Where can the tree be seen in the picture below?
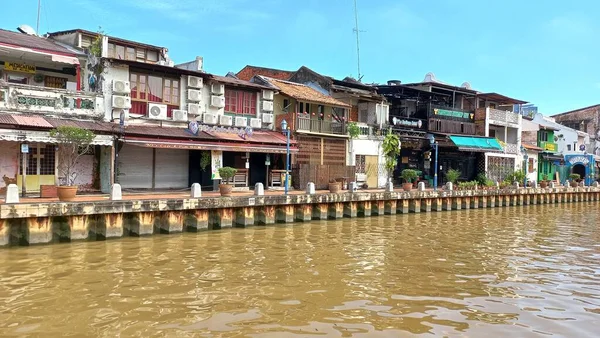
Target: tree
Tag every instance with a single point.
(73, 142)
(391, 151)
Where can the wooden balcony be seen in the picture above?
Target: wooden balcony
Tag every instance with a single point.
(320, 126)
(36, 99)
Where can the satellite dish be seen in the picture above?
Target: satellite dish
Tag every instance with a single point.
(25, 29)
(466, 85)
(430, 77)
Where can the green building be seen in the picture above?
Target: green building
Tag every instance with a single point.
(549, 158)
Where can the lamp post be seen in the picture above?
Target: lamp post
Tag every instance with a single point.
(286, 131)
(435, 145)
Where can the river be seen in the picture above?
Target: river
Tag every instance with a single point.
(519, 272)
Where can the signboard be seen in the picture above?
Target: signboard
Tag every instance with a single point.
(582, 147)
(193, 128)
(579, 159)
(452, 113)
(216, 158)
(24, 148)
(407, 122)
(19, 67)
(550, 146)
(268, 160)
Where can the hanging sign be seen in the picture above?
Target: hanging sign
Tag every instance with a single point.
(19, 67)
(24, 148)
(216, 158)
(268, 160)
(193, 128)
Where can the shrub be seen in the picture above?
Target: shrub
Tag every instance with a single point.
(409, 175)
(227, 173)
(574, 177)
(452, 175)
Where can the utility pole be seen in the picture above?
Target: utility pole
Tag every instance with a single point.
(357, 39)
(37, 26)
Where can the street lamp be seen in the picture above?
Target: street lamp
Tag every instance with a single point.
(435, 145)
(286, 132)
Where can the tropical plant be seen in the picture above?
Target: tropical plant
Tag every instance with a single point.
(73, 142)
(409, 175)
(227, 173)
(575, 177)
(481, 178)
(452, 175)
(391, 151)
(353, 130)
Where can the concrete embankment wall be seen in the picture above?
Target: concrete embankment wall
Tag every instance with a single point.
(37, 223)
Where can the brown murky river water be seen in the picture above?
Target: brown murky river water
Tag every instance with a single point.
(518, 272)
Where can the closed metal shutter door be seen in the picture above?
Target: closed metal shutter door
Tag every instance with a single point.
(172, 168)
(135, 167)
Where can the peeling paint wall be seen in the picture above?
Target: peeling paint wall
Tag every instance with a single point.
(9, 163)
(85, 172)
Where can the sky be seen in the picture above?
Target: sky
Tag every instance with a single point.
(544, 52)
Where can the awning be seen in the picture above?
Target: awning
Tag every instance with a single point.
(196, 145)
(552, 157)
(476, 144)
(44, 137)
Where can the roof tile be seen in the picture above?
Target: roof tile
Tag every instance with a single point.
(31, 41)
(305, 93)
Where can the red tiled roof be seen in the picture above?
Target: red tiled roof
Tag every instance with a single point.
(305, 93)
(531, 147)
(31, 41)
(249, 72)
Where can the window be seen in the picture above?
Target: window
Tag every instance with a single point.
(492, 133)
(307, 108)
(531, 165)
(568, 147)
(240, 102)
(154, 88)
(361, 164)
(15, 78)
(131, 53)
(286, 104)
(543, 136)
(301, 107)
(40, 160)
(55, 82)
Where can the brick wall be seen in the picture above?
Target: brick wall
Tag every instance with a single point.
(529, 137)
(590, 116)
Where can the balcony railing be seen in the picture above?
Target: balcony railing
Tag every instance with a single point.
(368, 131)
(320, 126)
(34, 99)
(548, 146)
(511, 148)
(502, 116)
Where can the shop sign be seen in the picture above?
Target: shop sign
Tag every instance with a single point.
(24, 148)
(19, 67)
(407, 123)
(452, 113)
(579, 159)
(216, 158)
(550, 146)
(193, 128)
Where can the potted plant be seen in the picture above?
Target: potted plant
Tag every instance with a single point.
(73, 142)
(543, 181)
(334, 186)
(409, 175)
(226, 173)
(452, 175)
(574, 179)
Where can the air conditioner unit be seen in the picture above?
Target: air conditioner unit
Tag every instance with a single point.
(194, 109)
(225, 120)
(157, 111)
(121, 87)
(180, 115)
(267, 118)
(255, 123)
(194, 95)
(267, 105)
(195, 82)
(122, 102)
(267, 95)
(241, 121)
(217, 88)
(217, 101)
(209, 118)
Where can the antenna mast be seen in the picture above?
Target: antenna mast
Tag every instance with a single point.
(357, 41)
(37, 26)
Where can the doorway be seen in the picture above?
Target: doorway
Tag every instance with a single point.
(580, 170)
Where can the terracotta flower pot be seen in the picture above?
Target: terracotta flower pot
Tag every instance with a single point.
(574, 184)
(66, 193)
(334, 188)
(407, 186)
(543, 184)
(225, 189)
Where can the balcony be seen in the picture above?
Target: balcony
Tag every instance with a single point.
(510, 148)
(320, 126)
(502, 117)
(548, 146)
(368, 131)
(35, 99)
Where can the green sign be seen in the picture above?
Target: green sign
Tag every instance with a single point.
(452, 113)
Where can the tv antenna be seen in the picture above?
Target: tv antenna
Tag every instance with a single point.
(37, 25)
(357, 31)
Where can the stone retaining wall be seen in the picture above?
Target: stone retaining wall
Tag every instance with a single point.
(25, 224)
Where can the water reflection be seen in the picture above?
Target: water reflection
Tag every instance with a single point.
(521, 271)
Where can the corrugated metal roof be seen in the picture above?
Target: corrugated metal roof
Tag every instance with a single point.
(237, 82)
(305, 93)
(155, 131)
(271, 137)
(96, 126)
(31, 41)
(31, 121)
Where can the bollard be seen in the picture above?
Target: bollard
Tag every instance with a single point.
(353, 187)
(389, 186)
(310, 188)
(12, 194)
(421, 186)
(516, 185)
(449, 186)
(596, 184)
(552, 185)
(115, 192)
(196, 191)
(259, 189)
